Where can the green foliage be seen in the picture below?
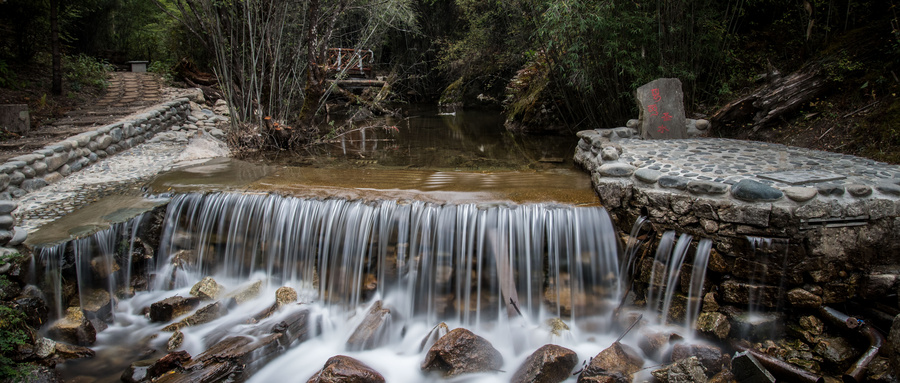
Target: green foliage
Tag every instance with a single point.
(13, 333)
(82, 70)
(163, 68)
(7, 77)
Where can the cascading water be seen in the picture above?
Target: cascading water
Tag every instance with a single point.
(499, 270)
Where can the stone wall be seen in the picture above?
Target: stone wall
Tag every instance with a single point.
(33, 171)
(831, 242)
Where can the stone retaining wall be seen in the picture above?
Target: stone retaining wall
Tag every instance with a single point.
(832, 242)
(30, 172)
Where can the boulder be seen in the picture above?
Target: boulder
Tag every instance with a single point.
(685, 370)
(285, 296)
(35, 310)
(175, 341)
(344, 369)
(615, 362)
(714, 323)
(171, 308)
(205, 314)
(137, 371)
(168, 363)
(460, 352)
(436, 333)
(207, 289)
(246, 293)
(74, 328)
(746, 368)
(372, 331)
(97, 304)
(548, 364)
(711, 357)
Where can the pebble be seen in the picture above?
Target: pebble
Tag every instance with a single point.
(753, 191)
(800, 194)
(616, 169)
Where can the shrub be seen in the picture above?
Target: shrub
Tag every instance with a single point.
(12, 335)
(83, 70)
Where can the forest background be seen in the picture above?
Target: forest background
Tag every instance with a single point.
(550, 66)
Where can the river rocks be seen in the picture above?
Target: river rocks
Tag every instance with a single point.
(207, 289)
(799, 297)
(74, 328)
(747, 369)
(835, 350)
(372, 332)
(205, 314)
(97, 304)
(754, 191)
(548, 364)
(684, 370)
(656, 343)
(707, 187)
(344, 369)
(137, 371)
(170, 308)
(617, 362)
(175, 341)
(710, 357)
(714, 323)
(246, 293)
(436, 333)
(460, 352)
(285, 296)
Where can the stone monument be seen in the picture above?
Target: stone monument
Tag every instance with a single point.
(661, 102)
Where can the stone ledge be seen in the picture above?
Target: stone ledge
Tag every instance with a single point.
(30, 172)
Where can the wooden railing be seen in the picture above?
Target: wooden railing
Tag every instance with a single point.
(352, 62)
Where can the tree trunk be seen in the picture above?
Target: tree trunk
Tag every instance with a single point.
(56, 83)
(315, 75)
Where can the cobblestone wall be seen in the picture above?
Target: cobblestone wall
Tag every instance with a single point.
(30, 172)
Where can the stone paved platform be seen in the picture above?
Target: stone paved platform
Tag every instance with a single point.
(830, 204)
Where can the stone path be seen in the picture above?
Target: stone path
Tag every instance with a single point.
(122, 173)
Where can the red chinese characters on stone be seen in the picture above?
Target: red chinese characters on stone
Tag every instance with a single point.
(666, 116)
(652, 110)
(655, 93)
(662, 129)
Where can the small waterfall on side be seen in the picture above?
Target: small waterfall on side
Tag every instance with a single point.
(89, 266)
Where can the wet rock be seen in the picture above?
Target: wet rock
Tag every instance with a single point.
(170, 308)
(74, 328)
(714, 323)
(834, 350)
(175, 341)
(711, 357)
(207, 289)
(436, 333)
(548, 364)
(799, 297)
(724, 376)
(169, 362)
(655, 343)
(97, 304)
(104, 266)
(709, 303)
(205, 314)
(614, 362)
(747, 369)
(35, 310)
(372, 331)
(460, 352)
(44, 347)
(41, 374)
(753, 191)
(879, 371)
(137, 371)
(285, 296)
(246, 293)
(344, 369)
(684, 370)
(740, 292)
(757, 326)
(557, 327)
(69, 352)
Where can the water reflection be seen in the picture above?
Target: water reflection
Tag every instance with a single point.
(426, 138)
